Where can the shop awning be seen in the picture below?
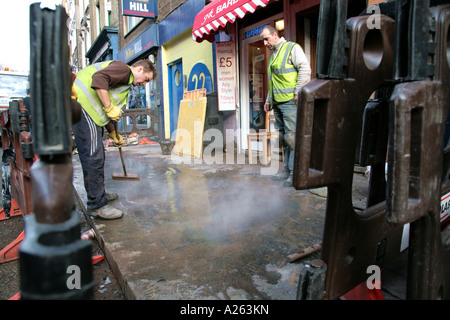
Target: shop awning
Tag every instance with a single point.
(218, 13)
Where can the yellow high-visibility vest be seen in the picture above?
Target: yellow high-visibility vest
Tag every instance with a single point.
(282, 75)
(88, 97)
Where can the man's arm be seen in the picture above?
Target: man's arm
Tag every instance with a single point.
(104, 97)
(300, 62)
(117, 73)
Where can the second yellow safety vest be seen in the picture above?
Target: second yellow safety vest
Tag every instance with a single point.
(282, 75)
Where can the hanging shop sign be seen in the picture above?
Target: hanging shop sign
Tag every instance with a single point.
(140, 8)
(226, 75)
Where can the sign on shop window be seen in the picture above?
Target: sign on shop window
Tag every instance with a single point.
(139, 8)
(199, 78)
(226, 75)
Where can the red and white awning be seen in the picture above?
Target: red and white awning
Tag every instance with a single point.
(218, 13)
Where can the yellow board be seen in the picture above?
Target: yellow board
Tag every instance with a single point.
(190, 53)
(191, 123)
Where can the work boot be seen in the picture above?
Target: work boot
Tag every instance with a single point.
(289, 180)
(106, 212)
(283, 175)
(111, 196)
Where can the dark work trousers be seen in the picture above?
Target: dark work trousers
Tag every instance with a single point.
(285, 121)
(88, 137)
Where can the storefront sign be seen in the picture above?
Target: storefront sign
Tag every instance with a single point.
(199, 78)
(147, 40)
(254, 32)
(226, 75)
(139, 8)
(218, 13)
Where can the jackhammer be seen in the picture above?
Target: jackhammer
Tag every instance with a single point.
(54, 262)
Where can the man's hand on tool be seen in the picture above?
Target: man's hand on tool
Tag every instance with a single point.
(113, 112)
(118, 139)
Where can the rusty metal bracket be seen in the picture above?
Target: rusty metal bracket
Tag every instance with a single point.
(419, 112)
(329, 118)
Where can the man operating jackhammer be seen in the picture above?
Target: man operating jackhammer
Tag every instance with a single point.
(102, 90)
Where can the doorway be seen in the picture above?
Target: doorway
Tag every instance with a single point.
(175, 72)
(253, 78)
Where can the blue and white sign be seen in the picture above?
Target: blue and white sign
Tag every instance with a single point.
(199, 78)
(140, 8)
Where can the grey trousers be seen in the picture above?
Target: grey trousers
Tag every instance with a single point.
(286, 121)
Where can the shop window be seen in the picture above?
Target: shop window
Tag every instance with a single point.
(141, 97)
(97, 18)
(136, 98)
(108, 13)
(131, 23)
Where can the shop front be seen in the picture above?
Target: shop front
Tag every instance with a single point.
(254, 59)
(185, 65)
(240, 22)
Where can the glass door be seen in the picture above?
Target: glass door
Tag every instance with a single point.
(257, 83)
(253, 79)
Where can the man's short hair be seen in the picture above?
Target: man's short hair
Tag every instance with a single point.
(148, 66)
(271, 29)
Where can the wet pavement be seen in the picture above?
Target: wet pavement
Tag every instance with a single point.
(205, 231)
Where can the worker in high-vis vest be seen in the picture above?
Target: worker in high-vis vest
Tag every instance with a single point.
(288, 72)
(102, 91)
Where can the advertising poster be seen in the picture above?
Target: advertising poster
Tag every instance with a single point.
(226, 75)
